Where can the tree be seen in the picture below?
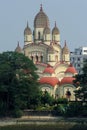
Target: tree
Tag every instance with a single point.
(46, 98)
(81, 83)
(18, 81)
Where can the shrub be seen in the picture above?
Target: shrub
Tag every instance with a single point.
(60, 109)
(17, 113)
(73, 109)
(61, 101)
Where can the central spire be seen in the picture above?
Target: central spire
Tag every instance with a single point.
(41, 8)
(27, 24)
(55, 24)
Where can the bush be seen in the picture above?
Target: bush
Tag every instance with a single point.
(84, 113)
(3, 109)
(73, 109)
(46, 107)
(17, 113)
(61, 101)
(60, 109)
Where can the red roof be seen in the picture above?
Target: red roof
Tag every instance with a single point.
(49, 80)
(71, 69)
(67, 80)
(49, 70)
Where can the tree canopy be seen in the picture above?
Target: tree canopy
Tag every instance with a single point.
(81, 83)
(18, 81)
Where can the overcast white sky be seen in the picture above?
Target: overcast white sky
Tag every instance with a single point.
(70, 16)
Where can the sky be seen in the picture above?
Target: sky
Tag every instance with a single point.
(70, 17)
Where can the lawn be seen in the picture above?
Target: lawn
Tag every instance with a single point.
(59, 126)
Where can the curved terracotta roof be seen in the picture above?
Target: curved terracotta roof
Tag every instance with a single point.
(49, 80)
(71, 69)
(67, 80)
(49, 70)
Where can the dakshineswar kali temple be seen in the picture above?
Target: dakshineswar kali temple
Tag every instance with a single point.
(43, 47)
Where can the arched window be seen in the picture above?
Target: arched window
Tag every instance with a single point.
(63, 57)
(33, 35)
(56, 58)
(26, 38)
(41, 58)
(45, 37)
(32, 58)
(49, 58)
(68, 94)
(54, 38)
(38, 35)
(36, 58)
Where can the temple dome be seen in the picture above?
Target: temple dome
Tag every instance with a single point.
(27, 30)
(47, 30)
(55, 30)
(18, 49)
(65, 49)
(41, 20)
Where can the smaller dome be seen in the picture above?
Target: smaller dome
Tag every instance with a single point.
(49, 69)
(67, 80)
(47, 30)
(71, 69)
(65, 49)
(49, 80)
(27, 30)
(55, 30)
(18, 48)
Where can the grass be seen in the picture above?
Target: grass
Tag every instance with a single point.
(59, 126)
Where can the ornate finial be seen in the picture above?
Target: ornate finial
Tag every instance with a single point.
(41, 9)
(65, 42)
(18, 43)
(27, 24)
(55, 23)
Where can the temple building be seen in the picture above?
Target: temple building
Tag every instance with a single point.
(43, 47)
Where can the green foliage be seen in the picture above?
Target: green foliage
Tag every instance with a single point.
(61, 101)
(60, 109)
(73, 109)
(81, 83)
(60, 106)
(47, 98)
(18, 81)
(3, 109)
(44, 108)
(17, 113)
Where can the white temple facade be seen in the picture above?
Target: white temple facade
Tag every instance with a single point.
(43, 47)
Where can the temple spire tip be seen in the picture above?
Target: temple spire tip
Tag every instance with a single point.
(41, 8)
